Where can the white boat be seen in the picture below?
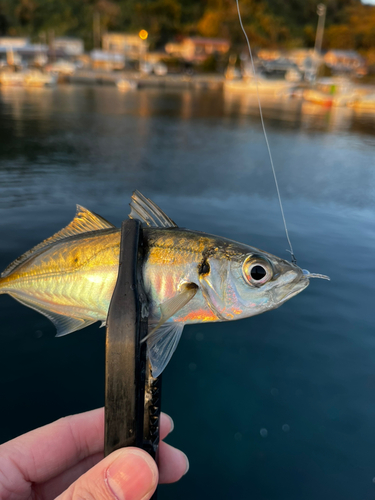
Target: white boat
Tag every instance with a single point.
(125, 85)
(265, 85)
(318, 97)
(26, 78)
(62, 67)
(365, 103)
(332, 92)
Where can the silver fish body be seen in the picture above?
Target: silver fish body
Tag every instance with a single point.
(175, 256)
(188, 276)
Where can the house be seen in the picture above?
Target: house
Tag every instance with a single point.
(267, 54)
(69, 46)
(345, 61)
(14, 42)
(109, 61)
(129, 45)
(197, 49)
(305, 59)
(16, 50)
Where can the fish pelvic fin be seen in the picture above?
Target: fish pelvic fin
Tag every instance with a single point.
(83, 222)
(161, 344)
(146, 211)
(64, 324)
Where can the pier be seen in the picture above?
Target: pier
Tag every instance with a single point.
(177, 81)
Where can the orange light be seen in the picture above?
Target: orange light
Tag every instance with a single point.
(143, 34)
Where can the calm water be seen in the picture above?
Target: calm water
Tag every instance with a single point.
(277, 407)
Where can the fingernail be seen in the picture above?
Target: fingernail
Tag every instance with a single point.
(187, 463)
(132, 476)
(172, 423)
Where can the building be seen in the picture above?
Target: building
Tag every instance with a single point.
(345, 61)
(69, 46)
(307, 60)
(14, 42)
(268, 54)
(18, 50)
(197, 49)
(109, 61)
(131, 46)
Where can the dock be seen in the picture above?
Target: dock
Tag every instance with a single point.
(173, 81)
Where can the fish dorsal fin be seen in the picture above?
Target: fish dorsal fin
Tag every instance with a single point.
(147, 212)
(162, 344)
(83, 222)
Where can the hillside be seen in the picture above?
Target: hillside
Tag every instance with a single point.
(269, 23)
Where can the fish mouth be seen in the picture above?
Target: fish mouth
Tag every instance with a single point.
(300, 285)
(300, 282)
(292, 283)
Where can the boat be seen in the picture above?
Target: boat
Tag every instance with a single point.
(317, 97)
(332, 92)
(125, 85)
(27, 78)
(364, 103)
(62, 67)
(263, 85)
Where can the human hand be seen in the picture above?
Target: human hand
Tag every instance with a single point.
(66, 458)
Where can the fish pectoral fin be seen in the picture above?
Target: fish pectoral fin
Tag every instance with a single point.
(164, 337)
(148, 212)
(161, 345)
(171, 306)
(63, 324)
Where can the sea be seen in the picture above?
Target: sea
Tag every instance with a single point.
(280, 406)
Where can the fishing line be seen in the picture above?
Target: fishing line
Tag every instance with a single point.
(294, 260)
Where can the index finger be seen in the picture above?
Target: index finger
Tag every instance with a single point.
(48, 451)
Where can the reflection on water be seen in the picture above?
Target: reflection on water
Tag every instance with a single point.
(304, 373)
(301, 114)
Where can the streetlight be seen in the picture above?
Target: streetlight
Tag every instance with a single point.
(143, 35)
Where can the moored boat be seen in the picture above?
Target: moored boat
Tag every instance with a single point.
(264, 85)
(364, 103)
(332, 92)
(125, 85)
(27, 78)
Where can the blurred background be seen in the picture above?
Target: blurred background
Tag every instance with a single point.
(100, 98)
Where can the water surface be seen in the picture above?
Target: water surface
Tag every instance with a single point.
(276, 407)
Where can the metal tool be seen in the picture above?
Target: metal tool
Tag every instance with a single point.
(132, 395)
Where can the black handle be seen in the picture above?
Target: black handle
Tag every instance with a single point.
(132, 395)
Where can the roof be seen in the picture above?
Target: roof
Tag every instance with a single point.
(68, 39)
(15, 41)
(210, 41)
(345, 53)
(124, 35)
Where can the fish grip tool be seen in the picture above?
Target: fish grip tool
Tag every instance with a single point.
(132, 395)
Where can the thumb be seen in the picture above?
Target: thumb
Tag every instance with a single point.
(129, 473)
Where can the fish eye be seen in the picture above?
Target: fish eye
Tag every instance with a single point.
(257, 270)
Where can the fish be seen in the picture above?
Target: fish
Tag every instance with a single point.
(188, 277)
